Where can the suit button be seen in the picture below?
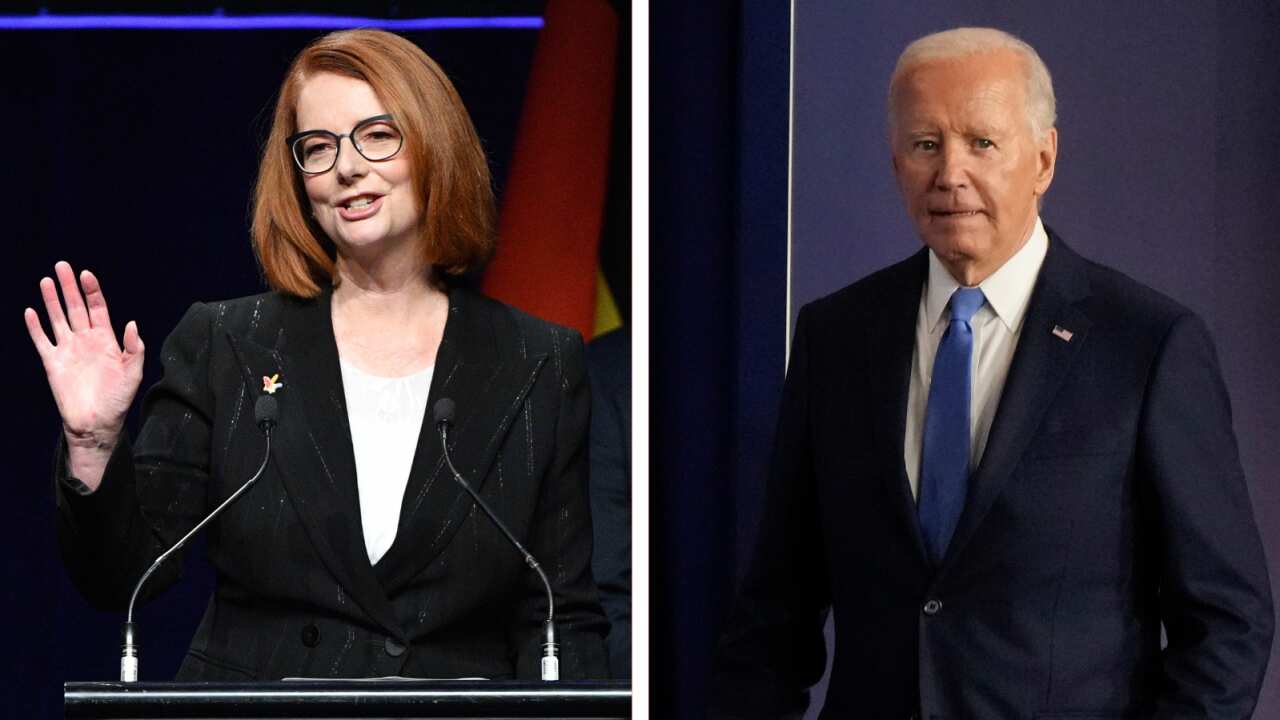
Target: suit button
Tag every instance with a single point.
(932, 607)
(310, 635)
(393, 647)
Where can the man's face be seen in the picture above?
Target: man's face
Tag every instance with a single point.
(967, 163)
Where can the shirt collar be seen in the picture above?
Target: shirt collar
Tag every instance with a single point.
(1008, 289)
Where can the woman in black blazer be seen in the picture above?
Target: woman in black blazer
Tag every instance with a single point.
(373, 195)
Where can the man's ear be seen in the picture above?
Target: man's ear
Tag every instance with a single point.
(1046, 159)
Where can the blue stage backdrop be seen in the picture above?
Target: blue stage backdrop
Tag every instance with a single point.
(1165, 171)
(133, 153)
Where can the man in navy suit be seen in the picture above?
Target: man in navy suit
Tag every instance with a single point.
(1003, 467)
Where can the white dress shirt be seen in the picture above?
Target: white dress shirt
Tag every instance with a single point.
(996, 328)
(386, 418)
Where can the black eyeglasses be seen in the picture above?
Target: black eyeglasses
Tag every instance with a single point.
(316, 151)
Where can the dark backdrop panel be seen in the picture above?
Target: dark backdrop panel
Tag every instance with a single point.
(1166, 169)
(134, 154)
(718, 168)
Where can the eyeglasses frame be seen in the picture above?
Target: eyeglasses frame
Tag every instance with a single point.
(337, 143)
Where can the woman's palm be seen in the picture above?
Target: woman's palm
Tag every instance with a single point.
(92, 377)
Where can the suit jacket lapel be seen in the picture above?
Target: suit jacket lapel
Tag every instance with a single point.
(1041, 362)
(488, 379)
(890, 364)
(311, 448)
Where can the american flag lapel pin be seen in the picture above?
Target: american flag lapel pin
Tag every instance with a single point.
(1062, 333)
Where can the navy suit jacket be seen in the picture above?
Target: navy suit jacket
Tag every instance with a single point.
(1109, 500)
(296, 594)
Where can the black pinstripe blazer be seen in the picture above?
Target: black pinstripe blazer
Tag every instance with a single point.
(296, 594)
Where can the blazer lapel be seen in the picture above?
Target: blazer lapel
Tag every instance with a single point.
(1041, 362)
(488, 384)
(890, 364)
(311, 448)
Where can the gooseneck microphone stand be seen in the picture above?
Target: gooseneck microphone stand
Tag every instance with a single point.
(265, 411)
(443, 412)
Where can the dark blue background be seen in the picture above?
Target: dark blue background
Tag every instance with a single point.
(717, 295)
(134, 154)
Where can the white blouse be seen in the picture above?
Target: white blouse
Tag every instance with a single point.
(386, 417)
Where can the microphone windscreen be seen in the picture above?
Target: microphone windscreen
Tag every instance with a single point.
(443, 411)
(266, 411)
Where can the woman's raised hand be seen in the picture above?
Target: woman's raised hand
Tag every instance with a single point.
(92, 377)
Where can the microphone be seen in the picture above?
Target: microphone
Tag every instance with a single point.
(266, 412)
(443, 412)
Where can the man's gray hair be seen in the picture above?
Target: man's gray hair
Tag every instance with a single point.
(1042, 109)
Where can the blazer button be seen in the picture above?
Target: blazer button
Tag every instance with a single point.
(932, 607)
(310, 635)
(393, 647)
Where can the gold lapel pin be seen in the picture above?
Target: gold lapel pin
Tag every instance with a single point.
(271, 384)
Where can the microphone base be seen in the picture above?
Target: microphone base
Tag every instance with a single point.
(129, 653)
(550, 669)
(129, 669)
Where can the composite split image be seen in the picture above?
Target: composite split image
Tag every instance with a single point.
(595, 359)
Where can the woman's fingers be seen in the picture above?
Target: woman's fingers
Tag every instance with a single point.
(53, 307)
(132, 341)
(38, 338)
(95, 300)
(83, 312)
(77, 316)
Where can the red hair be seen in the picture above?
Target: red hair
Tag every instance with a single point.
(448, 167)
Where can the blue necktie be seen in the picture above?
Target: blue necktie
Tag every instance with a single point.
(944, 463)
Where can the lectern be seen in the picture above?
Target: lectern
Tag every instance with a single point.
(351, 699)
